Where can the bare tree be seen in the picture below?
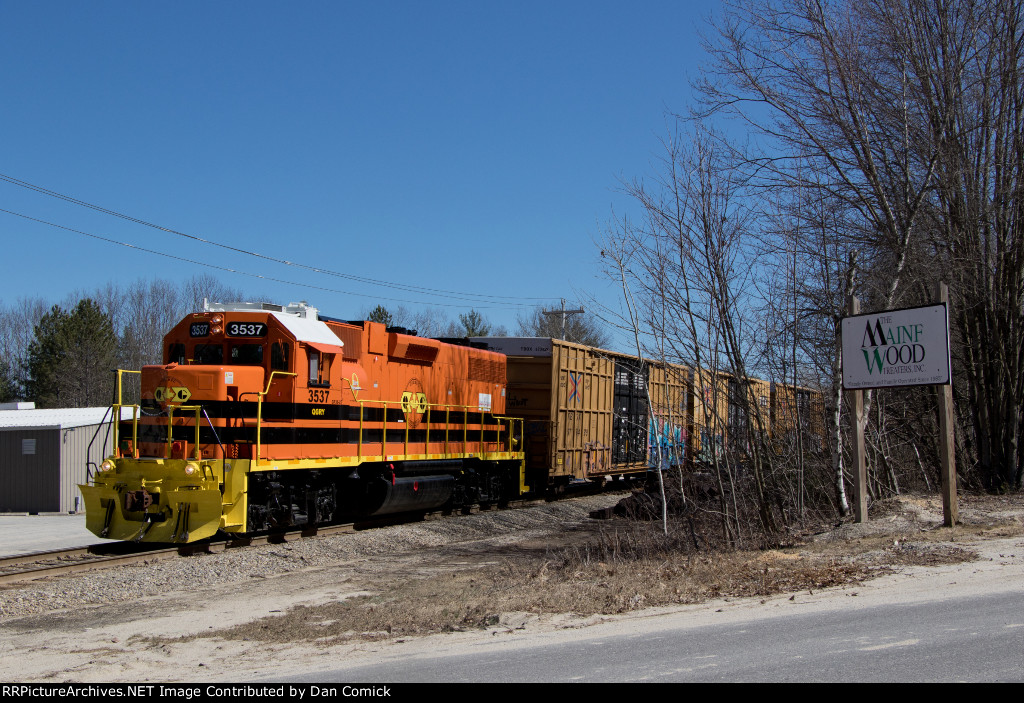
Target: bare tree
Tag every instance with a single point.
(582, 329)
(429, 322)
(17, 325)
(827, 105)
(207, 287)
(907, 116)
(149, 310)
(694, 276)
(139, 316)
(969, 62)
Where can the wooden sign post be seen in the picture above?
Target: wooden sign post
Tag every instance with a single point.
(860, 465)
(947, 455)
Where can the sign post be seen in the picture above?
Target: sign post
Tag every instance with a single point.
(894, 348)
(860, 466)
(947, 456)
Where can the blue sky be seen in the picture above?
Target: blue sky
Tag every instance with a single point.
(466, 146)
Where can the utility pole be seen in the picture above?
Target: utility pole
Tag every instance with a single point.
(563, 312)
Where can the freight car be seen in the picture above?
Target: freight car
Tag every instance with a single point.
(593, 414)
(265, 416)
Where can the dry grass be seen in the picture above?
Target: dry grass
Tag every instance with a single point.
(620, 566)
(467, 599)
(624, 569)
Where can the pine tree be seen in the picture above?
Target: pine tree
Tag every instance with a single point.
(474, 324)
(381, 314)
(71, 359)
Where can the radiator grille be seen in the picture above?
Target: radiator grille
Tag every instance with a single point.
(487, 370)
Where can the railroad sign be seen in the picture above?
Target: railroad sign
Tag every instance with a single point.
(908, 347)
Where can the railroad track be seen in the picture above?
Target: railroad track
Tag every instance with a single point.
(63, 562)
(58, 562)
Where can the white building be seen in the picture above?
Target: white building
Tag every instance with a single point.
(45, 454)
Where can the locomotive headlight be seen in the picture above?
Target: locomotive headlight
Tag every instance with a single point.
(216, 330)
(191, 469)
(216, 319)
(107, 465)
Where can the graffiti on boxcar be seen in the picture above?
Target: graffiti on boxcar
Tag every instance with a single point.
(596, 457)
(515, 402)
(710, 446)
(575, 391)
(666, 443)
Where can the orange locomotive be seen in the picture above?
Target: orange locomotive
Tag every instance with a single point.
(267, 415)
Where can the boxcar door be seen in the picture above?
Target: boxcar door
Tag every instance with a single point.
(629, 420)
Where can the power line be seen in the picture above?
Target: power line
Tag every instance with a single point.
(512, 306)
(438, 292)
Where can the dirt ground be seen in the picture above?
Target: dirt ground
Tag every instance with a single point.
(448, 583)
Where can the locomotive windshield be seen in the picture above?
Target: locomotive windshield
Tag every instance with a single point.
(209, 354)
(247, 354)
(176, 354)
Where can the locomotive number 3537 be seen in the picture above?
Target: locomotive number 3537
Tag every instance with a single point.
(246, 329)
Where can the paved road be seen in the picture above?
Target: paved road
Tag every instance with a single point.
(23, 534)
(914, 636)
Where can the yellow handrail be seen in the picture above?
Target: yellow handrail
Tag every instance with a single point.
(170, 427)
(512, 423)
(508, 444)
(117, 418)
(259, 410)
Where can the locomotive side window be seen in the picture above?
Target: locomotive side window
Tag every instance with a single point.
(279, 356)
(247, 354)
(209, 354)
(176, 354)
(319, 368)
(314, 366)
(325, 369)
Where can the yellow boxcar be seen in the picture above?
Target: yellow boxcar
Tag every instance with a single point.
(709, 410)
(591, 413)
(671, 418)
(796, 408)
